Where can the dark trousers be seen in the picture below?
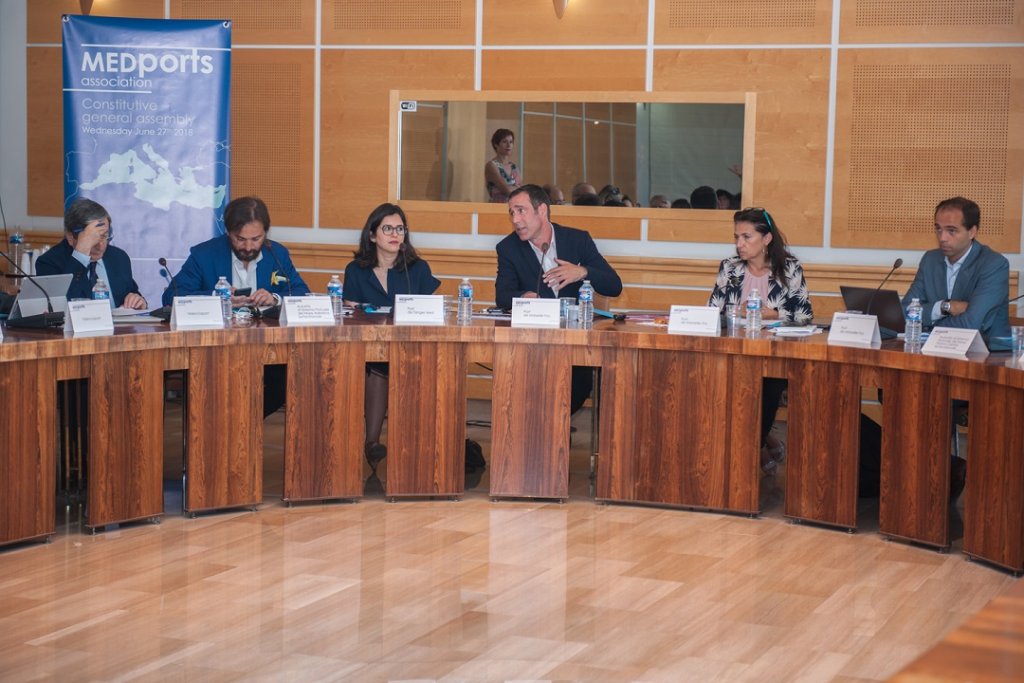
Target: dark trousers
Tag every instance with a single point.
(582, 385)
(275, 385)
(771, 396)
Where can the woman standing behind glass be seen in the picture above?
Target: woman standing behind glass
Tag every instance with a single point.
(501, 173)
(763, 262)
(385, 264)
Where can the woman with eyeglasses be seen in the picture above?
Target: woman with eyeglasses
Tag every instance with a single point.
(385, 264)
(763, 262)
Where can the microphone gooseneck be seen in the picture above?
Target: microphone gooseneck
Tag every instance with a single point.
(171, 282)
(895, 266)
(543, 252)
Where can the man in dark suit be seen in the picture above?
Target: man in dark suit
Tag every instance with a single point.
(245, 256)
(569, 255)
(963, 283)
(87, 253)
(249, 260)
(566, 256)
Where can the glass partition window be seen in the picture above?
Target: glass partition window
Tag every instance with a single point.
(639, 149)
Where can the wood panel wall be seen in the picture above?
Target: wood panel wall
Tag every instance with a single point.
(916, 119)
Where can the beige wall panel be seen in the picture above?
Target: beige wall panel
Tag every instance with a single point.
(538, 142)
(569, 154)
(437, 221)
(931, 21)
(398, 22)
(600, 227)
(355, 87)
(562, 70)
(45, 141)
(915, 126)
(422, 140)
(281, 22)
(272, 131)
(585, 22)
(791, 128)
(734, 22)
(624, 152)
(43, 20)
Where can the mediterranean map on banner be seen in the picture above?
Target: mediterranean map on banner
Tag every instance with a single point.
(146, 132)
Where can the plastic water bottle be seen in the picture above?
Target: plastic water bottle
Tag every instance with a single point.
(465, 313)
(754, 313)
(586, 303)
(100, 291)
(14, 246)
(912, 333)
(223, 290)
(334, 290)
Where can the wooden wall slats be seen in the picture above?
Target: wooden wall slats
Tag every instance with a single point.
(46, 136)
(272, 131)
(732, 22)
(354, 91)
(792, 125)
(916, 126)
(428, 22)
(585, 22)
(282, 22)
(43, 16)
(563, 70)
(931, 21)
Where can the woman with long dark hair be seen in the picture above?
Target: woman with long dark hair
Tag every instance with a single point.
(385, 264)
(763, 262)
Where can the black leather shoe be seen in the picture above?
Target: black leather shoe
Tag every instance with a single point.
(957, 478)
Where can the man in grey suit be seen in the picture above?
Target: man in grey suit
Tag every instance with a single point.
(963, 283)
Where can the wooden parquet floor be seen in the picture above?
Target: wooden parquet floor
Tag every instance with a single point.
(478, 591)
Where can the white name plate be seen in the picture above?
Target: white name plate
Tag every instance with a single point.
(196, 313)
(88, 317)
(1, 333)
(953, 342)
(419, 309)
(696, 320)
(854, 329)
(536, 312)
(306, 310)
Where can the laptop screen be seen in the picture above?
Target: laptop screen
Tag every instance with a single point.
(885, 305)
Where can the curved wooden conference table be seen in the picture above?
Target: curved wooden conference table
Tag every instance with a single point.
(679, 421)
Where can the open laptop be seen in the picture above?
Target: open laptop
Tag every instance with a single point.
(30, 308)
(886, 306)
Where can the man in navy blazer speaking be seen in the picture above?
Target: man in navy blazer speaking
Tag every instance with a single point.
(86, 253)
(245, 256)
(963, 283)
(547, 260)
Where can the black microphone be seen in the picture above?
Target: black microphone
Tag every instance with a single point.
(164, 312)
(167, 275)
(405, 266)
(540, 274)
(41, 320)
(280, 269)
(871, 300)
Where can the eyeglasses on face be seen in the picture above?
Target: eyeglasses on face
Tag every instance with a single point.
(393, 229)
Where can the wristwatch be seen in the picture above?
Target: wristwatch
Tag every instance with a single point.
(945, 307)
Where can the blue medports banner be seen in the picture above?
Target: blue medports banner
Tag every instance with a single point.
(146, 132)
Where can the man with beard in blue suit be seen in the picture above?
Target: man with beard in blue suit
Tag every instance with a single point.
(249, 260)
